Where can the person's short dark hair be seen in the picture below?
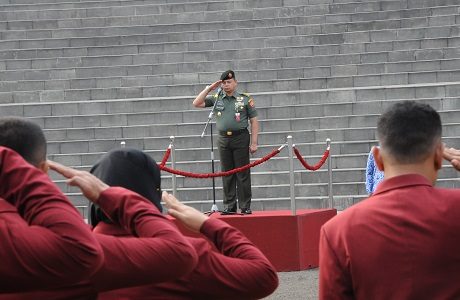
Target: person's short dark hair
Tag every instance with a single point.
(229, 74)
(409, 131)
(131, 169)
(25, 137)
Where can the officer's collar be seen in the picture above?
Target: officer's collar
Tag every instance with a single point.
(235, 95)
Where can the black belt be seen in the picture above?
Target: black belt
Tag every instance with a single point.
(232, 133)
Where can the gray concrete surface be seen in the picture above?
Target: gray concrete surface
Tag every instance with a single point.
(297, 285)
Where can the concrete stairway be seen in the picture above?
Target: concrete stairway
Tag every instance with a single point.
(94, 73)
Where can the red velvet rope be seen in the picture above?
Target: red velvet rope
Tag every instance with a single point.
(306, 165)
(218, 174)
(165, 157)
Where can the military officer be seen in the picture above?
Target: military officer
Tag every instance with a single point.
(233, 112)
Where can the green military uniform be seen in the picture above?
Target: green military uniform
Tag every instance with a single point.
(232, 114)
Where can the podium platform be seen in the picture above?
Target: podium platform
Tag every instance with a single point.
(289, 242)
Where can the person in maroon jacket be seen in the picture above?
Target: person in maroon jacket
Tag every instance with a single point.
(159, 253)
(229, 265)
(402, 242)
(44, 241)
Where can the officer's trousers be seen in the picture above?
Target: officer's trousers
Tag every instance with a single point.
(234, 153)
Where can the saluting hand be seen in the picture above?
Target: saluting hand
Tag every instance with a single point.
(190, 217)
(90, 185)
(215, 85)
(452, 155)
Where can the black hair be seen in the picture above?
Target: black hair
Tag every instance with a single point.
(25, 137)
(131, 169)
(409, 131)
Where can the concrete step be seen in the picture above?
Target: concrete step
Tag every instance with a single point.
(254, 38)
(240, 39)
(127, 41)
(335, 8)
(373, 74)
(140, 125)
(275, 164)
(197, 71)
(353, 153)
(164, 7)
(182, 32)
(93, 123)
(293, 104)
(279, 97)
(426, 48)
(132, 8)
(347, 140)
(312, 149)
(328, 23)
(202, 10)
(324, 83)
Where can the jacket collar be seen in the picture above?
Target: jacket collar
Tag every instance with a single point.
(235, 95)
(402, 181)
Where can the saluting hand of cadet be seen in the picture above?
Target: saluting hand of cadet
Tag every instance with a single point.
(90, 185)
(190, 217)
(452, 155)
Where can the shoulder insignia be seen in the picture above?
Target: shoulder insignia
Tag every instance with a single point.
(216, 95)
(246, 94)
(251, 102)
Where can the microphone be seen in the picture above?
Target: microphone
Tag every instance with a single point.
(211, 113)
(219, 90)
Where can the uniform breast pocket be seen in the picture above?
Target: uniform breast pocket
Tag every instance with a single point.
(239, 107)
(220, 105)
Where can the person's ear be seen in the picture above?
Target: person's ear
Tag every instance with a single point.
(378, 158)
(438, 156)
(44, 166)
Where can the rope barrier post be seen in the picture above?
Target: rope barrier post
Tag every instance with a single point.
(173, 165)
(291, 174)
(330, 203)
(122, 144)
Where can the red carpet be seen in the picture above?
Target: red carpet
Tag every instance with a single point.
(290, 242)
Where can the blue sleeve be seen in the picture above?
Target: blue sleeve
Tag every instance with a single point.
(370, 169)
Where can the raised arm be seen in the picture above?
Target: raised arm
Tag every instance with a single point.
(49, 245)
(160, 253)
(199, 101)
(239, 269)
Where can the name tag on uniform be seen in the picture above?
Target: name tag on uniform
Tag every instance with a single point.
(220, 105)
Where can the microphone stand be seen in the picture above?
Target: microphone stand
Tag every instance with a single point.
(214, 207)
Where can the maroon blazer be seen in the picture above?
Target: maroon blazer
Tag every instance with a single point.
(401, 243)
(155, 252)
(230, 267)
(44, 241)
